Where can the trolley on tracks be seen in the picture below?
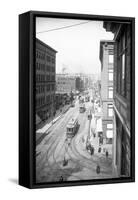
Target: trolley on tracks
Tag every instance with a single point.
(72, 127)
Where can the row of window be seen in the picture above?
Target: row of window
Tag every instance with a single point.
(110, 92)
(110, 74)
(42, 56)
(44, 100)
(111, 59)
(110, 110)
(40, 66)
(44, 67)
(50, 68)
(51, 59)
(40, 89)
(40, 101)
(42, 78)
(109, 131)
(61, 83)
(44, 88)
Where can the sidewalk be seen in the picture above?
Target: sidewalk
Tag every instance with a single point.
(107, 169)
(43, 131)
(95, 140)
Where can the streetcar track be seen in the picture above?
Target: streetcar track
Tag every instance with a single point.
(58, 138)
(59, 167)
(52, 137)
(74, 160)
(90, 162)
(56, 162)
(53, 133)
(54, 159)
(50, 152)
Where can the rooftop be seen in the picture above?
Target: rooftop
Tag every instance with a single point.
(44, 44)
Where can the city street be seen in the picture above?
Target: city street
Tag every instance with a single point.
(81, 165)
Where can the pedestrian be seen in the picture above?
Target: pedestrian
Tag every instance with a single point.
(92, 150)
(65, 162)
(98, 169)
(61, 178)
(99, 149)
(106, 154)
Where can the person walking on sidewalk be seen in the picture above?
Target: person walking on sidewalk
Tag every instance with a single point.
(61, 178)
(98, 169)
(92, 150)
(99, 150)
(106, 153)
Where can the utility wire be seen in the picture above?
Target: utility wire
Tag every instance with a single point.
(55, 29)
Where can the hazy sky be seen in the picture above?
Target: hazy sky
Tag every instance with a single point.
(77, 46)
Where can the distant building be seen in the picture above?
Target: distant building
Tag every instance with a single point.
(59, 101)
(79, 84)
(45, 80)
(122, 93)
(106, 58)
(65, 84)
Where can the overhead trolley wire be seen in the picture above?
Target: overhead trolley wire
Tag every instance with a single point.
(63, 27)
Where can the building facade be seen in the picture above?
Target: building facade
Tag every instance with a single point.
(106, 58)
(122, 93)
(65, 84)
(45, 80)
(59, 100)
(79, 84)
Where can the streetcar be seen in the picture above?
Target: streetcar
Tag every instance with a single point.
(72, 127)
(82, 108)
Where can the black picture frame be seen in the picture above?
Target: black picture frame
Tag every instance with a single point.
(27, 98)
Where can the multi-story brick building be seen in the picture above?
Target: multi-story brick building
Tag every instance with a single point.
(122, 93)
(65, 84)
(45, 80)
(106, 58)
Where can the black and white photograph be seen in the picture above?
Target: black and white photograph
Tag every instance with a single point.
(82, 99)
(68, 92)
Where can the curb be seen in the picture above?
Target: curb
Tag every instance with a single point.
(59, 117)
